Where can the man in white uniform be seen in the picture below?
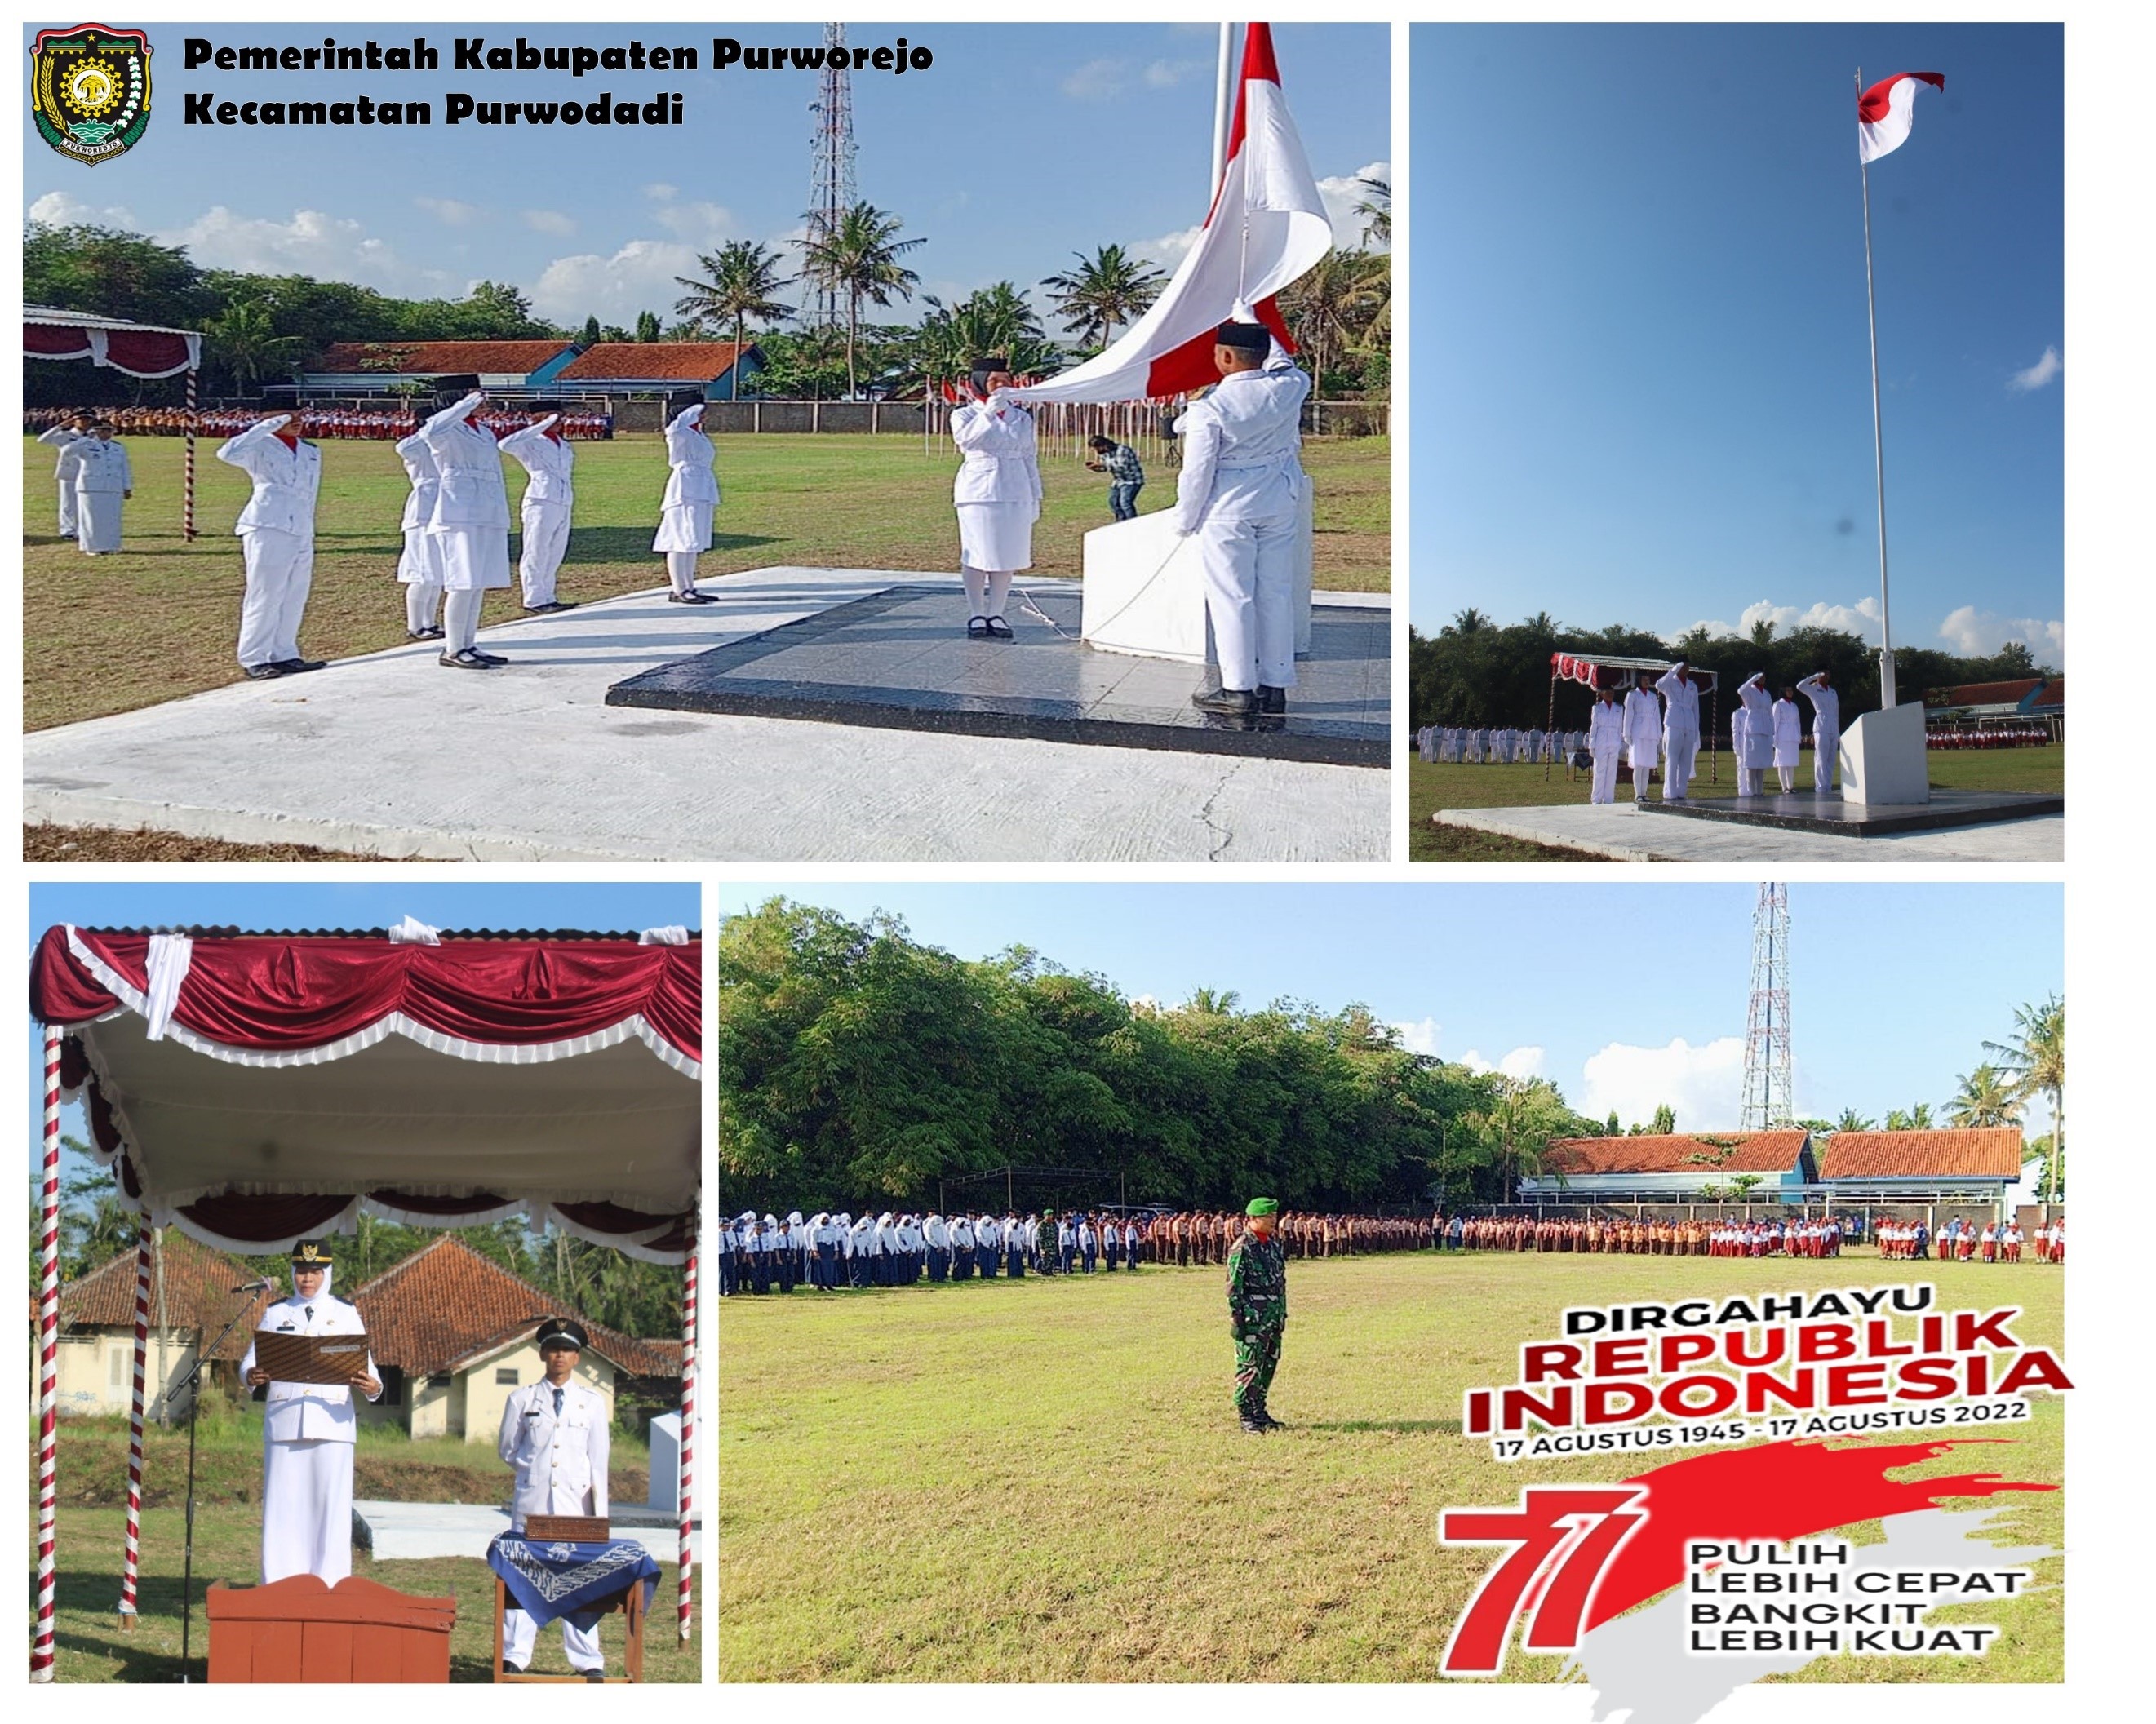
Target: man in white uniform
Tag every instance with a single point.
(1605, 742)
(997, 494)
(1826, 728)
(692, 493)
(307, 1432)
(104, 480)
(554, 1434)
(1680, 728)
(1241, 491)
(1643, 735)
(470, 525)
(1789, 739)
(58, 439)
(276, 534)
(1755, 741)
(420, 568)
(541, 450)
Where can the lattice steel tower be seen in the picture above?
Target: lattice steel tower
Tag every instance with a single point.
(831, 161)
(1769, 1089)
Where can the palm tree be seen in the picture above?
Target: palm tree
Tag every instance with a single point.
(1915, 1119)
(241, 336)
(1986, 1098)
(2035, 1058)
(1375, 207)
(1331, 307)
(1518, 1125)
(1852, 1120)
(742, 276)
(993, 319)
(858, 257)
(1107, 289)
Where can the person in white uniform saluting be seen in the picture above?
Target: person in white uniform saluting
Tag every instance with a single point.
(1755, 742)
(104, 480)
(541, 450)
(58, 437)
(1826, 728)
(1643, 735)
(692, 493)
(307, 1432)
(1239, 492)
(1680, 728)
(554, 1435)
(469, 525)
(276, 534)
(420, 568)
(1605, 742)
(997, 494)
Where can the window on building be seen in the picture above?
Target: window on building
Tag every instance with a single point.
(506, 1375)
(439, 1379)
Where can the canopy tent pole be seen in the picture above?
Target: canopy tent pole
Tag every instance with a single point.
(684, 1603)
(1714, 732)
(1551, 725)
(188, 467)
(131, 1556)
(49, 1326)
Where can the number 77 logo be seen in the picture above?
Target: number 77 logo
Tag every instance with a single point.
(1567, 1536)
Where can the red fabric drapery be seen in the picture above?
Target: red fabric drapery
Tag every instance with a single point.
(54, 341)
(138, 352)
(145, 353)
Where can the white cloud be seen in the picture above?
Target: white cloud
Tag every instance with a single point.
(312, 242)
(1166, 74)
(639, 277)
(1169, 249)
(1861, 619)
(2039, 374)
(1420, 1038)
(448, 211)
(1097, 80)
(1978, 634)
(662, 192)
(1704, 1085)
(1342, 193)
(1520, 1063)
(703, 224)
(550, 221)
(62, 211)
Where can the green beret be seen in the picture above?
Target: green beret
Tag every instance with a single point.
(1263, 1206)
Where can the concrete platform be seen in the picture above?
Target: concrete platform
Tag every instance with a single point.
(415, 1531)
(1806, 811)
(901, 661)
(392, 755)
(1616, 831)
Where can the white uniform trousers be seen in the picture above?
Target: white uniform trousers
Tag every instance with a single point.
(1605, 775)
(1826, 744)
(306, 1510)
(545, 538)
(1249, 568)
(520, 1634)
(97, 520)
(1680, 750)
(67, 508)
(281, 568)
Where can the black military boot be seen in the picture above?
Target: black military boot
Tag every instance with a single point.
(1265, 1419)
(1254, 1425)
(1235, 703)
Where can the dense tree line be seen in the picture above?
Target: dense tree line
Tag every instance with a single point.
(857, 1064)
(1473, 672)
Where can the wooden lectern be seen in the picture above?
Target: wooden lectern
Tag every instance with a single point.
(300, 1629)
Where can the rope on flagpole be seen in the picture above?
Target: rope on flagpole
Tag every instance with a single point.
(131, 1556)
(49, 1330)
(685, 1479)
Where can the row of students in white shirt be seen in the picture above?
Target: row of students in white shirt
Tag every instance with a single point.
(827, 1251)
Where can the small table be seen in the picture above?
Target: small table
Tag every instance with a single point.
(613, 1575)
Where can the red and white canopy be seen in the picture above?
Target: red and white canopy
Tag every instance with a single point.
(1588, 667)
(141, 350)
(255, 1089)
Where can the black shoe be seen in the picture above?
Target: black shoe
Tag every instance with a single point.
(293, 667)
(550, 607)
(1268, 1422)
(515, 1670)
(976, 627)
(1271, 700)
(691, 597)
(592, 1675)
(488, 657)
(999, 629)
(263, 673)
(468, 660)
(1236, 703)
(1252, 1426)
(424, 633)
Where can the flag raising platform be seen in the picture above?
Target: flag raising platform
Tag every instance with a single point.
(900, 659)
(1806, 811)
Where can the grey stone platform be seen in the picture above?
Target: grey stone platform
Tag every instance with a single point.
(1806, 811)
(416, 1530)
(901, 659)
(1618, 832)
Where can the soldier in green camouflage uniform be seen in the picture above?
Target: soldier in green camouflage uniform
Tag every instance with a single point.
(1257, 1312)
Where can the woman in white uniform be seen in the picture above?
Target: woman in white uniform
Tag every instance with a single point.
(1605, 742)
(103, 481)
(1755, 740)
(470, 525)
(692, 493)
(420, 568)
(997, 494)
(1789, 739)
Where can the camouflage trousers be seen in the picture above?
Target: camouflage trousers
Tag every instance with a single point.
(1257, 1357)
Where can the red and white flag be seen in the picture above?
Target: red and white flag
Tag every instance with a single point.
(1267, 227)
(1885, 111)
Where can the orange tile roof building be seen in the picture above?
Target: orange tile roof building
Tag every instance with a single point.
(721, 369)
(371, 367)
(1670, 1166)
(1979, 1159)
(194, 1300)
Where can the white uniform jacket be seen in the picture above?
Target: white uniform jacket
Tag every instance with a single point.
(1681, 713)
(1001, 462)
(1826, 704)
(58, 439)
(1789, 732)
(469, 460)
(560, 1461)
(311, 1412)
(101, 466)
(426, 483)
(1605, 729)
(551, 465)
(689, 455)
(286, 480)
(1241, 448)
(1643, 721)
(1755, 749)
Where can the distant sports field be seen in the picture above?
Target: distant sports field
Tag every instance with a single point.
(159, 619)
(1044, 1480)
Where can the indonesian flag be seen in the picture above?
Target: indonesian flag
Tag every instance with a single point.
(1885, 111)
(1266, 228)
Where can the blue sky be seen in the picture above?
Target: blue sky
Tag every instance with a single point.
(503, 905)
(1642, 381)
(1571, 983)
(1020, 145)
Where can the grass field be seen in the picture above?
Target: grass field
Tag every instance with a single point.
(93, 1473)
(158, 619)
(1433, 785)
(1044, 1480)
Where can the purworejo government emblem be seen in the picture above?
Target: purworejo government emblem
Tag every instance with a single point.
(89, 88)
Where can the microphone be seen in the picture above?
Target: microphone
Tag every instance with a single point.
(260, 1285)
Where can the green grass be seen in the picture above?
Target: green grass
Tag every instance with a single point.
(1432, 785)
(1044, 1480)
(158, 619)
(93, 1469)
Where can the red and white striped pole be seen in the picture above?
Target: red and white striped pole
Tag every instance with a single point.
(49, 1330)
(188, 481)
(686, 1480)
(130, 1560)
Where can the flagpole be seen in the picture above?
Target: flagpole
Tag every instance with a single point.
(1887, 695)
(1223, 87)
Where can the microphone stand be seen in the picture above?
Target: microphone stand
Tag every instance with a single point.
(192, 1381)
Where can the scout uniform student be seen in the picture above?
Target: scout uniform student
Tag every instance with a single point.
(470, 525)
(307, 1432)
(1257, 1312)
(997, 495)
(1240, 493)
(549, 495)
(554, 1437)
(692, 493)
